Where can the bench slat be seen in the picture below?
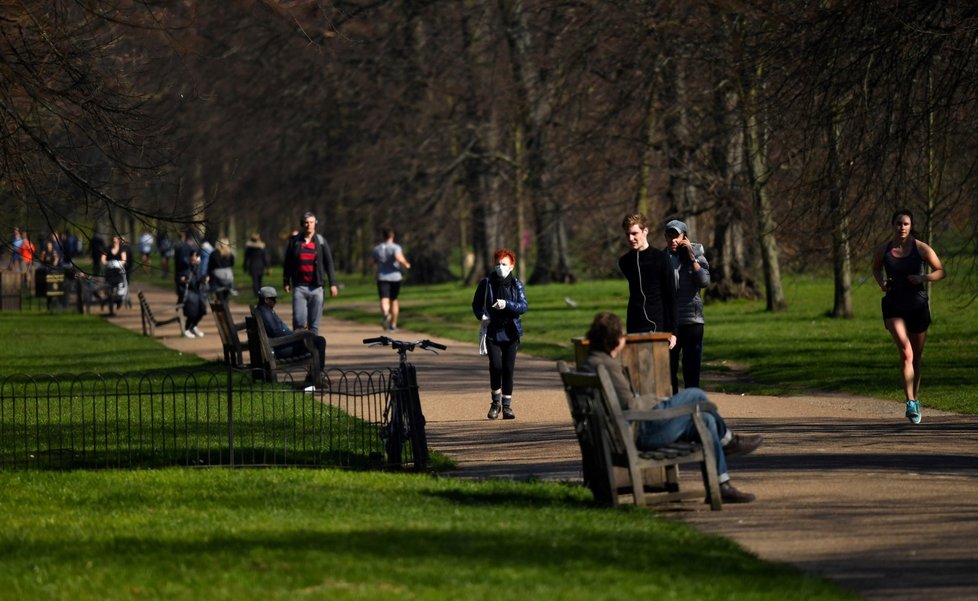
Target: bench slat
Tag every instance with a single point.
(229, 333)
(150, 321)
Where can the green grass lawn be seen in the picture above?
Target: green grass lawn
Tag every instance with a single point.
(328, 534)
(293, 534)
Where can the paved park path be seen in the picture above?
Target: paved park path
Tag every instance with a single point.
(846, 487)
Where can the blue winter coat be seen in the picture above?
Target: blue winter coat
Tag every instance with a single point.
(504, 324)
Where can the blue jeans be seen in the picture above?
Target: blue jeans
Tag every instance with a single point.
(307, 307)
(652, 435)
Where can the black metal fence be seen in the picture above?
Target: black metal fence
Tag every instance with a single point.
(192, 419)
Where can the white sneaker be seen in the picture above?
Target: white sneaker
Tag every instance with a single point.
(198, 332)
(188, 334)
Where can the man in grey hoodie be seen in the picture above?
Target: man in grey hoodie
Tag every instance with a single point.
(692, 273)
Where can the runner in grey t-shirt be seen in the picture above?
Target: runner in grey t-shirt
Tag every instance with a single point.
(389, 259)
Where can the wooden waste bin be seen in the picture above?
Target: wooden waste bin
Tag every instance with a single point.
(647, 358)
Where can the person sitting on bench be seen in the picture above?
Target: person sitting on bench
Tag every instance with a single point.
(275, 327)
(606, 340)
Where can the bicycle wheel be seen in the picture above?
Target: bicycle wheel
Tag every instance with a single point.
(416, 422)
(392, 427)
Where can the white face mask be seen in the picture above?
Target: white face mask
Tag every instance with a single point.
(503, 270)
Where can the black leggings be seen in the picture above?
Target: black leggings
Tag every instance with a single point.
(689, 342)
(502, 364)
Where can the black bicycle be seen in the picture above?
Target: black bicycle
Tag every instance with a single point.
(403, 420)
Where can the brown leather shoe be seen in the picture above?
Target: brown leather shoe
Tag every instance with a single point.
(742, 444)
(729, 494)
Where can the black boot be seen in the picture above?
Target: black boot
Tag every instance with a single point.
(493, 410)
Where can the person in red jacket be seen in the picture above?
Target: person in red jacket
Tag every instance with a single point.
(27, 252)
(308, 267)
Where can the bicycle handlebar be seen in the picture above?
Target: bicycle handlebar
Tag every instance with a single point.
(403, 344)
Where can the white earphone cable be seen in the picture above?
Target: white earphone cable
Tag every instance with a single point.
(638, 268)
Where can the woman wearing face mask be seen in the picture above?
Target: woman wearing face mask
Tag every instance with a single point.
(499, 300)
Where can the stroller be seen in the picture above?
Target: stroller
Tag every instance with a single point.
(116, 292)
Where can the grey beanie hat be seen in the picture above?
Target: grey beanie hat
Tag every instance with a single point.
(267, 292)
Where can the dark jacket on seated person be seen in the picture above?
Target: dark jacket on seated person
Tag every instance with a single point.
(276, 328)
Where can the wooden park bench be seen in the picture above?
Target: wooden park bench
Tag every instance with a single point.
(606, 435)
(174, 314)
(229, 332)
(266, 366)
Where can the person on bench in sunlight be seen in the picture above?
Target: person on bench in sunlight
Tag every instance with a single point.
(607, 339)
(275, 327)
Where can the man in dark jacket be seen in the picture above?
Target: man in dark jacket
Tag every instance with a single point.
(692, 273)
(651, 282)
(308, 265)
(275, 328)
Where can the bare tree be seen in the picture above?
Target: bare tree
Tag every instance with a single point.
(750, 75)
(78, 138)
(480, 138)
(536, 95)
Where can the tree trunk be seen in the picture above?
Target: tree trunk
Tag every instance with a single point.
(480, 179)
(199, 198)
(729, 273)
(839, 215)
(643, 192)
(430, 254)
(729, 276)
(536, 106)
(758, 173)
(682, 194)
(519, 196)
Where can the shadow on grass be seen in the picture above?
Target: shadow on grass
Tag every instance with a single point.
(619, 558)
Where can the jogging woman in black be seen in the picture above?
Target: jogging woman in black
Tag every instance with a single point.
(906, 308)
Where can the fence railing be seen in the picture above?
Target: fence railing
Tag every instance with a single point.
(191, 419)
(56, 290)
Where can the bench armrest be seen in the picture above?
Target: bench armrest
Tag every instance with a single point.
(283, 340)
(293, 337)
